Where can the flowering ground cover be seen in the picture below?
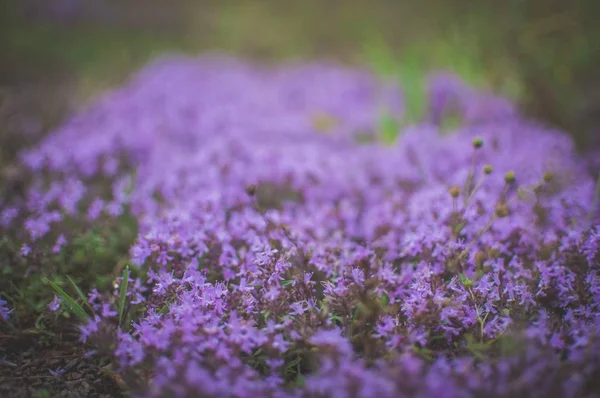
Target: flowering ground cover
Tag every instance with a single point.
(216, 228)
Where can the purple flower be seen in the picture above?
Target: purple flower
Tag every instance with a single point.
(273, 241)
(61, 241)
(25, 250)
(95, 209)
(57, 373)
(4, 310)
(129, 351)
(55, 304)
(89, 329)
(331, 339)
(7, 215)
(94, 296)
(107, 311)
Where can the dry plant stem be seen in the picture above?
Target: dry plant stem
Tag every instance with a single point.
(472, 194)
(470, 179)
(476, 238)
(478, 312)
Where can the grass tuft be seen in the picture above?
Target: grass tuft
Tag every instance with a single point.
(69, 302)
(123, 294)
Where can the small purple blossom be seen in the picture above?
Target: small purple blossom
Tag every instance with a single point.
(108, 311)
(57, 374)
(60, 242)
(7, 215)
(25, 250)
(55, 304)
(4, 309)
(89, 329)
(331, 339)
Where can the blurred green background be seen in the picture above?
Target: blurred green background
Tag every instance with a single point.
(545, 54)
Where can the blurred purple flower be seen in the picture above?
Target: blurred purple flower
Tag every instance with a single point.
(55, 304)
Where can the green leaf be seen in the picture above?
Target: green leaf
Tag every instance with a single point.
(336, 318)
(384, 300)
(293, 363)
(257, 352)
(39, 322)
(467, 282)
(458, 229)
(165, 308)
(389, 128)
(265, 314)
(477, 349)
(451, 122)
(425, 353)
(123, 293)
(69, 302)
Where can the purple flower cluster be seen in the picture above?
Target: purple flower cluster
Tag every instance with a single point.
(285, 255)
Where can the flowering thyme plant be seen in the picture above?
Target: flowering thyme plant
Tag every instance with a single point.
(282, 254)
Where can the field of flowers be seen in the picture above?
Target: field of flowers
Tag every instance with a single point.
(286, 233)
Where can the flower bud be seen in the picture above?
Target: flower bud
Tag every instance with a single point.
(548, 176)
(477, 143)
(454, 191)
(509, 177)
(502, 210)
(251, 190)
(488, 168)
(494, 253)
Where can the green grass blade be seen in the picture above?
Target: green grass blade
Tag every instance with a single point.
(69, 302)
(412, 74)
(380, 57)
(165, 308)
(123, 293)
(389, 128)
(80, 293)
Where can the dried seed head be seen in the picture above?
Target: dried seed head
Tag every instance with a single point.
(488, 169)
(477, 143)
(454, 191)
(251, 190)
(324, 122)
(509, 177)
(494, 253)
(502, 210)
